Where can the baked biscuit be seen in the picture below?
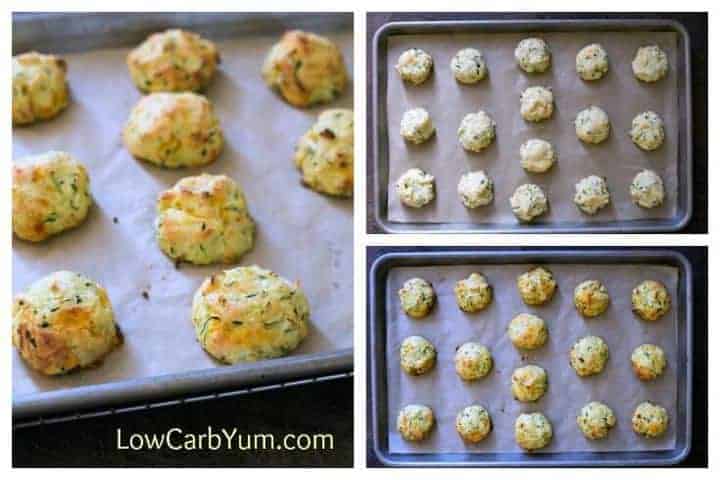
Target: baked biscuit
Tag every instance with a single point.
(529, 383)
(650, 64)
(648, 131)
(325, 155)
(647, 189)
(591, 298)
(473, 293)
(415, 422)
(39, 88)
(650, 420)
(650, 300)
(592, 125)
(203, 220)
(536, 104)
(533, 431)
(414, 65)
(417, 355)
(173, 61)
(63, 322)
(648, 361)
(589, 355)
(537, 155)
(591, 194)
(476, 131)
(50, 193)
(527, 331)
(473, 423)
(533, 55)
(528, 202)
(415, 188)
(595, 420)
(305, 69)
(473, 361)
(476, 189)
(591, 62)
(248, 314)
(536, 286)
(417, 297)
(468, 66)
(174, 130)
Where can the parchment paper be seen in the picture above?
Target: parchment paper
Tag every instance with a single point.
(301, 234)
(447, 328)
(617, 159)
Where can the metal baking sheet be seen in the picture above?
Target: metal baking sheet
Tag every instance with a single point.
(160, 357)
(447, 327)
(447, 101)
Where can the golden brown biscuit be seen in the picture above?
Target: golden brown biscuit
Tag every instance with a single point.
(174, 130)
(248, 314)
(51, 193)
(39, 88)
(305, 69)
(204, 220)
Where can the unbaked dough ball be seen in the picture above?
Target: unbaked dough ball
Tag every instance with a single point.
(248, 314)
(417, 297)
(415, 422)
(476, 189)
(650, 420)
(536, 286)
(415, 188)
(417, 355)
(589, 355)
(473, 361)
(533, 55)
(63, 322)
(203, 220)
(325, 155)
(648, 361)
(592, 125)
(174, 130)
(473, 423)
(528, 202)
(477, 131)
(648, 131)
(650, 300)
(591, 194)
(50, 194)
(305, 69)
(173, 61)
(39, 88)
(533, 431)
(537, 156)
(414, 65)
(650, 64)
(416, 126)
(595, 420)
(468, 66)
(536, 104)
(647, 189)
(591, 298)
(529, 383)
(473, 293)
(527, 331)
(591, 62)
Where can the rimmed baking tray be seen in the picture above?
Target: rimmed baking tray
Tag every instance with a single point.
(382, 424)
(674, 221)
(124, 190)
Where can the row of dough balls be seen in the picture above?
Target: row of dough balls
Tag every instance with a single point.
(65, 321)
(202, 219)
(532, 55)
(416, 188)
(473, 361)
(592, 125)
(650, 299)
(533, 431)
(304, 68)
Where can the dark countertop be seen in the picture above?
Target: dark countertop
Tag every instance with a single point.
(698, 456)
(697, 26)
(321, 407)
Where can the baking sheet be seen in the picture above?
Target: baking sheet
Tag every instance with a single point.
(300, 234)
(617, 159)
(447, 328)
